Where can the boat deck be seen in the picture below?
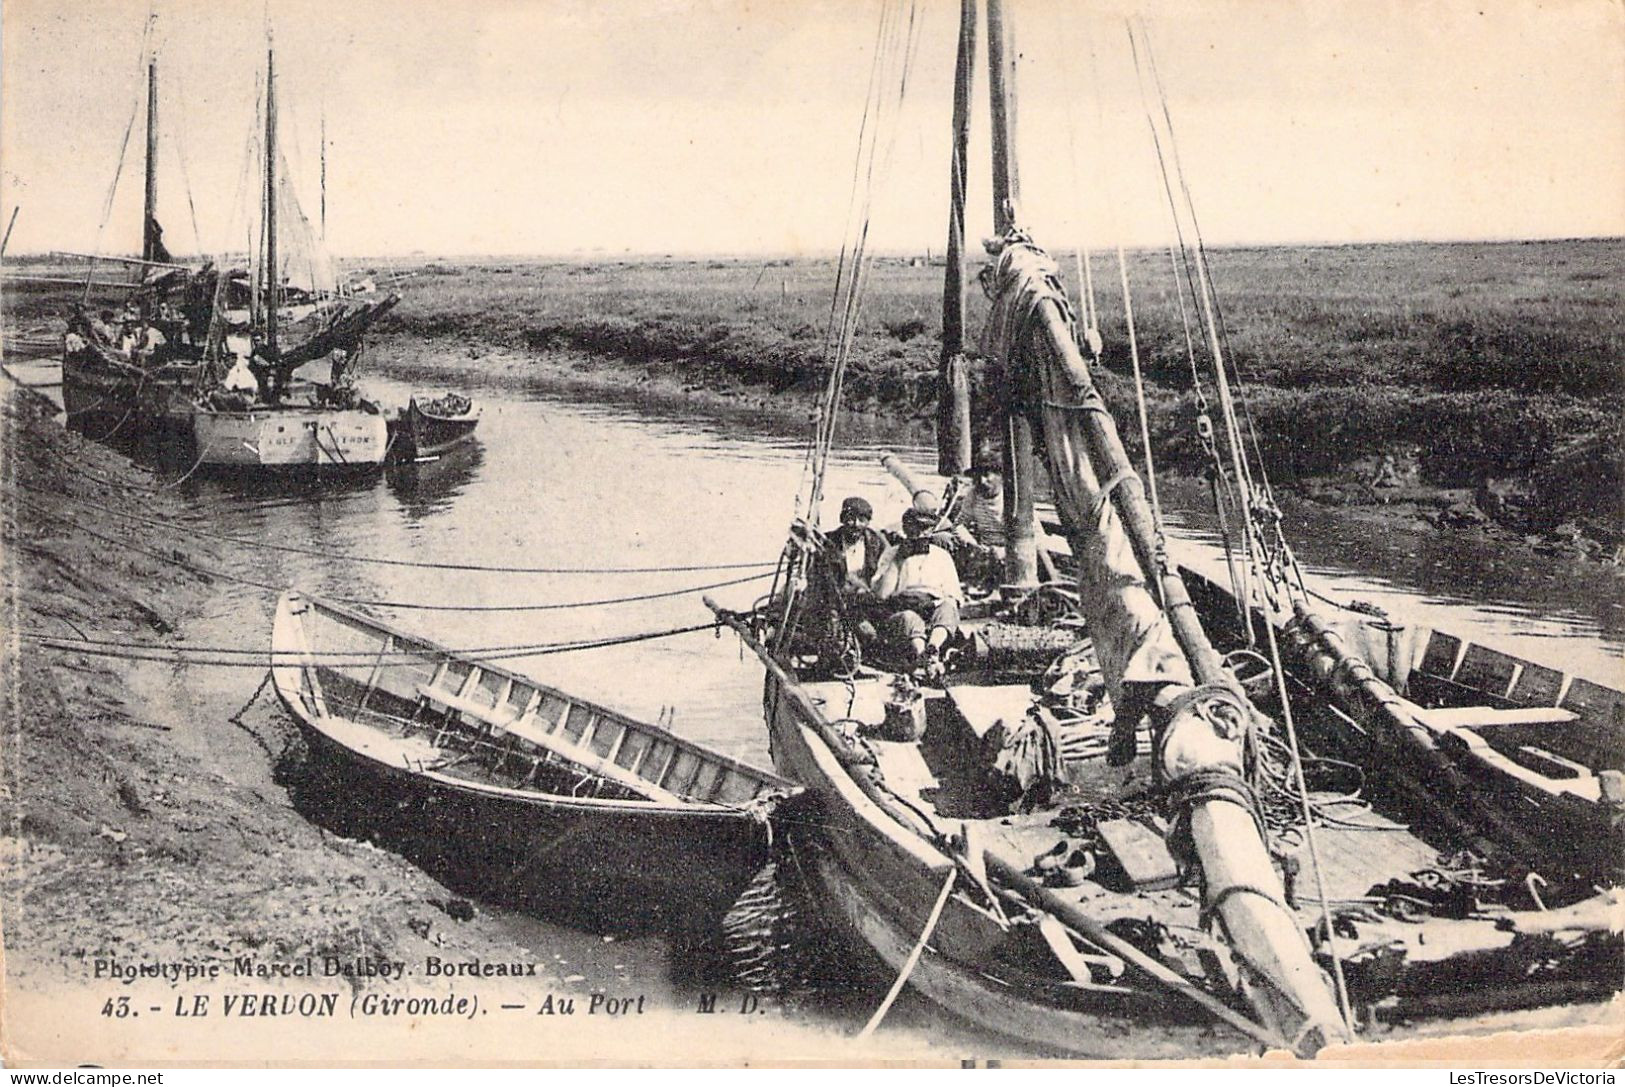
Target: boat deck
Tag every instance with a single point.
(946, 775)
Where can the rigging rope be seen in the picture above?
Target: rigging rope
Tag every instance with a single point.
(118, 169)
(875, 145)
(1139, 397)
(1232, 433)
(394, 604)
(461, 567)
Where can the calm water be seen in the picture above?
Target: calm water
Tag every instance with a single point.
(555, 482)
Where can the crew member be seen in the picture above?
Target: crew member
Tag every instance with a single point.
(919, 587)
(856, 549)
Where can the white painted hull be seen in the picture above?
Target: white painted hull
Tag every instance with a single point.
(291, 438)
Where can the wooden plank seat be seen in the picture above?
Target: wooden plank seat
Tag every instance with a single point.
(1452, 717)
(1456, 728)
(524, 727)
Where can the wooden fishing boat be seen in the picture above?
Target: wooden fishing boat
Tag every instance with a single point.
(430, 426)
(1128, 812)
(291, 436)
(157, 363)
(548, 798)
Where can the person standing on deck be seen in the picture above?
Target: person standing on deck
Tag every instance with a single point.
(919, 588)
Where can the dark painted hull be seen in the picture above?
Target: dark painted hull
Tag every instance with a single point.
(418, 435)
(588, 862)
(100, 393)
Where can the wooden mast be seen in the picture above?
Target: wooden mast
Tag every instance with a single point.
(271, 283)
(9, 224)
(1020, 469)
(953, 392)
(149, 222)
(1241, 886)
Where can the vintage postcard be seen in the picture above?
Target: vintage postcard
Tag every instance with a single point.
(705, 532)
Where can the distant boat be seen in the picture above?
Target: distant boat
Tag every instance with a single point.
(162, 360)
(524, 782)
(287, 423)
(430, 426)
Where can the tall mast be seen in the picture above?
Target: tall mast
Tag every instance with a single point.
(1001, 66)
(953, 394)
(1020, 468)
(324, 172)
(149, 223)
(270, 204)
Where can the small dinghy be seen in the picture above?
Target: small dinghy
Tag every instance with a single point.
(430, 426)
(543, 795)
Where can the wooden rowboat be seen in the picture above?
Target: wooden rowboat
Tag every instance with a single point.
(531, 792)
(431, 426)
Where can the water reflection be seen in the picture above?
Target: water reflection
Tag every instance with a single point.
(426, 488)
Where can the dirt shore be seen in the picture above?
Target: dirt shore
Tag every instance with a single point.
(144, 819)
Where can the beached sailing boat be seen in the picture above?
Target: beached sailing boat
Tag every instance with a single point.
(1323, 848)
(168, 359)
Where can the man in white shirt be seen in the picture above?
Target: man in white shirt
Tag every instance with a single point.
(919, 585)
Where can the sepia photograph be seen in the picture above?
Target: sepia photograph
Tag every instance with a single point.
(677, 533)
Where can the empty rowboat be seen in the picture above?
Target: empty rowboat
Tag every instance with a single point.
(524, 791)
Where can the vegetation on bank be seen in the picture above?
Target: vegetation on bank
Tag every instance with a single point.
(1477, 364)
(1491, 367)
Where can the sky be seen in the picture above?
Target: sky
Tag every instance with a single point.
(710, 126)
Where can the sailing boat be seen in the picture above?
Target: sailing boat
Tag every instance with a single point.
(163, 362)
(274, 419)
(1127, 812)
(134, 369)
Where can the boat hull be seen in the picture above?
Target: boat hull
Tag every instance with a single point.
(99, 395)
(567, 808)
(880, 880)
(292, 438)
(422, 435)
(594, 865)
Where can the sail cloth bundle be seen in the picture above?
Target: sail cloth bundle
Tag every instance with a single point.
(1133, 640)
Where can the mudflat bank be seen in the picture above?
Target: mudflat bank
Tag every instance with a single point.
(148, 817)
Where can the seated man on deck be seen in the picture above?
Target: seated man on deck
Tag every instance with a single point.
(855, 549)
(918, 588)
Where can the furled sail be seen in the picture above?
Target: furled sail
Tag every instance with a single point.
(1132, 637)
(1152, 652)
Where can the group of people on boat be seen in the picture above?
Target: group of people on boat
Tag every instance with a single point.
(903, 591)
(130, 335)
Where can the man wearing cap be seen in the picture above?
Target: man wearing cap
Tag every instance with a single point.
(855, 548)
(919, 584)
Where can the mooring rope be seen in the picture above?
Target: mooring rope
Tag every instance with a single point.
(376, 560)
(236, 657)
(207, 572)
(913, 959)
